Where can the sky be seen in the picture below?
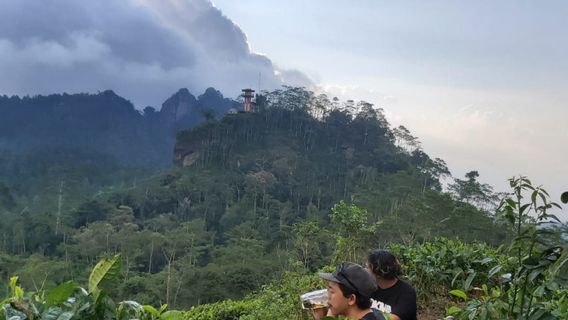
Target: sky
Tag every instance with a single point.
(481, 83)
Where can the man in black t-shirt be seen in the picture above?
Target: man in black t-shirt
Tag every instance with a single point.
(349, 289)
(392, 295)
(398, 300)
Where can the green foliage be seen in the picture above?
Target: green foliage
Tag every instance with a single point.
(473, 192)
(312, 242)
(534, 279)
(106, 270)
(254, 196)
(72, 302)
(279, 300)
(408, 213)
(7, 200)
(434, 267)
(224, 310)
(352, 229)
(59, 294)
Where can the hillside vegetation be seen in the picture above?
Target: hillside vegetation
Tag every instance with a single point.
(257, 203)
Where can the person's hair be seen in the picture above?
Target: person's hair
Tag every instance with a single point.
(384, 264)
(361, 301)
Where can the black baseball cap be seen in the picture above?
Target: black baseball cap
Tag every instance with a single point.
(354, 277)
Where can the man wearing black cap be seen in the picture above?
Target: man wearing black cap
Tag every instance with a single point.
(349, 289)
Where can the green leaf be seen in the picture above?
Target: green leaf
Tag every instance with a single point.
(132, 305)
(527, 185)
(52, 313)
(172, 315)
(12, 314)
(495, 292)
(66, 316)
(510, 217)
(494, 270)
(459, 294)
(453, 310)
(150, 309)
(538, 314)
(534, 274)
(106, 269)
(483, 314)
(542, 197)
(458, 273)
(485, 261)
(511, 202)
(533, 196)
(18, 293)
(524, 207)
(564, 197)
(539, 291)
(13, 282)
(59, 294)
(469, 280)
(560, 269)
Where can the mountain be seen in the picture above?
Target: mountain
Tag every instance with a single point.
(104, 123)
(251, 195)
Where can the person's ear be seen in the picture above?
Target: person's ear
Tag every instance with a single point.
(352, 300)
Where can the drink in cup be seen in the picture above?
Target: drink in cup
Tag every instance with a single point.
(314, 299)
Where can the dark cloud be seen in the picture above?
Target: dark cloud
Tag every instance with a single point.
(144, 50)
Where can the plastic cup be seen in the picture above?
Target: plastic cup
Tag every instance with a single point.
(314, 299)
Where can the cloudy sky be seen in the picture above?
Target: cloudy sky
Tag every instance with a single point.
(145, 50)
(481, 83)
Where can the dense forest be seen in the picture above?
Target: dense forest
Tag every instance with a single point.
(203, 206)
(103, 124)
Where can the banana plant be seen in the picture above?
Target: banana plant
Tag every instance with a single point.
(69, 301)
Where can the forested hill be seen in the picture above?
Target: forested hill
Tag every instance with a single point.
(308, 152)
(103, 123)
(249, 199)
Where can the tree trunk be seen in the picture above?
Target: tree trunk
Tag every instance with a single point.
(151, 254)
(59, 203)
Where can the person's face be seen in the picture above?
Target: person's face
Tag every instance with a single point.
(338, 304)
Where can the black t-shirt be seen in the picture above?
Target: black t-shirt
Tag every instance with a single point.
(374, 315)
(399, 299)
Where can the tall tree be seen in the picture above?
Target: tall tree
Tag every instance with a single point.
(474, 192)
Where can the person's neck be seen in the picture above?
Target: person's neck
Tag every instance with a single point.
(386, 283)
(356, 313)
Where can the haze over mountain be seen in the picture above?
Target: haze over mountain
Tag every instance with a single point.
(104, 124)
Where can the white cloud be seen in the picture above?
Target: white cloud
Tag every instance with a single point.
(82, 48)
(498, 133)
